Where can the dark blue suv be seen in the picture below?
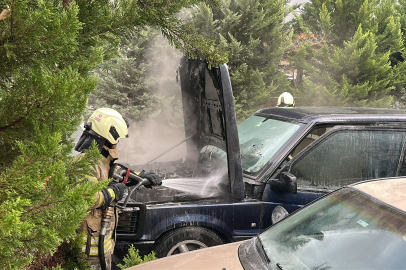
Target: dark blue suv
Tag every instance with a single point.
(253, 175)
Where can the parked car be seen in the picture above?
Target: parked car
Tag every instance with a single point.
(273, 163)
(362, 226)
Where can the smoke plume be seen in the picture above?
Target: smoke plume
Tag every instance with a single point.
(164, 128)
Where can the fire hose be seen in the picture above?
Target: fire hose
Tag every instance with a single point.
(106, 215)
(123, 175)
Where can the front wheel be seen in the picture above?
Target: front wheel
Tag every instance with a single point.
(184, 240)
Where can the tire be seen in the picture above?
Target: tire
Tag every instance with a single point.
(115, 260)
(184, 240)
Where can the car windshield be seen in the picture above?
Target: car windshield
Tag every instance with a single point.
(346, 230)
(260, 138)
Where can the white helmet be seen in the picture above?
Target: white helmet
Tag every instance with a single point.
(109, 124)
(286, 100)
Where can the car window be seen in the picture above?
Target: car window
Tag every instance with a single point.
(310, 138)
(260, 138)
(349, 156)
(214, 154)
(346, 230)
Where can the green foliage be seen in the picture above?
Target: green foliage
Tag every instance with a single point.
(346, 51)
(122, 81)
(252, 34)
(133, 258)
(44, 195)
(141, 81)
(47, 50)
(400, 95)
(66, 257)
(131, 82)
(73, 252)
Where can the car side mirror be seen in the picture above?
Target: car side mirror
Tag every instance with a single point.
(287, 182)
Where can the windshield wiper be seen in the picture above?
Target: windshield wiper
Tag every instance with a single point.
(279, 266)
(265, 120)
(262, 250)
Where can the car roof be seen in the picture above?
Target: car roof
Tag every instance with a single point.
(391, 191)
(335, 114)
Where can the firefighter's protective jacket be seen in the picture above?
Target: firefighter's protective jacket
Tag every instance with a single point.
(92, 223)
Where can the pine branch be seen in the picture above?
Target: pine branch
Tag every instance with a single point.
(26, 32)
(11, 125)
(54, 34)
(26, 164)
(243, 23)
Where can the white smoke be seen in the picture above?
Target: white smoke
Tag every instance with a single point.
(155, 135)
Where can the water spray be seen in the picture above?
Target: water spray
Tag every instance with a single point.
(210, 186)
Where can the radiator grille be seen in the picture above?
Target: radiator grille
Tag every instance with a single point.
(128, 220)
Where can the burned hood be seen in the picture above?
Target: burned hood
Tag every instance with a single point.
(209, 115)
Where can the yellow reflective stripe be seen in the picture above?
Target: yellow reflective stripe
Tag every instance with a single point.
(106, 238)
(94, 251)
(137, 173)
(91, 178)
(112, 194)
(84, 242)
(100, 202)
(108, 247)
(95, 240)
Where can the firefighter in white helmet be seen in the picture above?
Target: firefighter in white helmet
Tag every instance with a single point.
(286, 100)
(105, 126)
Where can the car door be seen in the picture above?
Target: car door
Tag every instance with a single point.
(342, 156)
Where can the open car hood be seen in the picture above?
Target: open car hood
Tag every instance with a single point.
(209, 114)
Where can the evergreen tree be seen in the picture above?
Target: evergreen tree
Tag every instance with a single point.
(47, 49)
(400, 94)
(349, 50)
(136, 82)
(122, 81)
(143, 77)
(252, 34)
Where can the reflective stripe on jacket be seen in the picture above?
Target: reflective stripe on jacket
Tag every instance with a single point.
(92, 223)
(93, 248)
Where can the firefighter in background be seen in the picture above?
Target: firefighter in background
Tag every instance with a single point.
(105, 126)
(286, 100)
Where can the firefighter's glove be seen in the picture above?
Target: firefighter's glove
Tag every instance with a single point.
(118, 189)
(152, 178)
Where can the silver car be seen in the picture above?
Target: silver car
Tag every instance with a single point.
(362, 226)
